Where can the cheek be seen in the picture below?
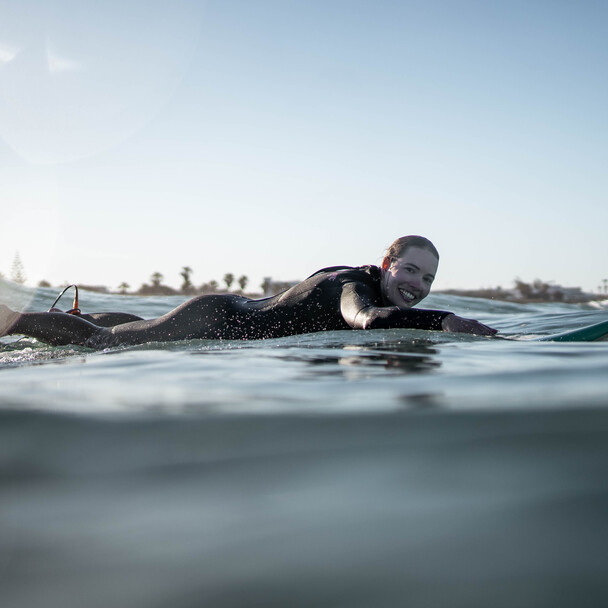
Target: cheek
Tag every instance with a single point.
(395, 287)
(395, 279)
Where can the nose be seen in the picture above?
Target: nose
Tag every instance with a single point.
(415, 281)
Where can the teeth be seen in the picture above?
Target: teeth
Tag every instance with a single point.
(407, 295)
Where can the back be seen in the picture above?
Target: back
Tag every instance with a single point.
(312, 305)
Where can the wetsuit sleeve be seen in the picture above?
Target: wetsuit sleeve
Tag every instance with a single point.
(360, 310)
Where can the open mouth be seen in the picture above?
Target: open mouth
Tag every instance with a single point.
(408, 296)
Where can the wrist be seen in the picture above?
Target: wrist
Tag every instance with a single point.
(446, 320)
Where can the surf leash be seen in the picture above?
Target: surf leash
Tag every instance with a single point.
(74, 310)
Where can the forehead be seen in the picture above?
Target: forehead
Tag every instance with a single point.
(424, 259)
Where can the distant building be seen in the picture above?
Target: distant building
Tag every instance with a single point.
(538, 291)
(550, 292)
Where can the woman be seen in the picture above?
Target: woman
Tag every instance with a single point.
(334, 298)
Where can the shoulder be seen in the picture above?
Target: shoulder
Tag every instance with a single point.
(350, 273)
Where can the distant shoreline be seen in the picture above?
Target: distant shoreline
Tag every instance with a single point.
(522, 293)
(570, 296)
(509, 296)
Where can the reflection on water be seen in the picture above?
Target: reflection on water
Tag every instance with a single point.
(352, 361)
(423, 401)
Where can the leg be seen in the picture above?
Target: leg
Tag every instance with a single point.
(211, 317)
(203, 317)
(109, 319)
(56, 328)
(105, 319)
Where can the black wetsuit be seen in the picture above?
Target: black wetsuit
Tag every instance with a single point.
(334, 298)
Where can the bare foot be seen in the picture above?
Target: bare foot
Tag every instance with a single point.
(8, 318)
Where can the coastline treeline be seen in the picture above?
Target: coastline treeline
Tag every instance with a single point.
(537, 291)
(230, 284)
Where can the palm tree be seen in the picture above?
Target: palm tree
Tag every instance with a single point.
(228, 279)
(213, 285)
(123, 288)
(243, 280)
(156, 279)
(185, 274)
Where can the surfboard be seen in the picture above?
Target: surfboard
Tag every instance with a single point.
(597, 331)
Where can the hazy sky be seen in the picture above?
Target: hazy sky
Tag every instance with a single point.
(272, 138)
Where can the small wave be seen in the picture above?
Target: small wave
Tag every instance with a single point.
(16, 296)
(25, 351)
(596, 305)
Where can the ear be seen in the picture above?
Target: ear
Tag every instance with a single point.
(386, 262)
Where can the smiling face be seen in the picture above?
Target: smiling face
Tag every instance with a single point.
(407, 280)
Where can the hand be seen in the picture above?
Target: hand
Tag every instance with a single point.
(468, 326)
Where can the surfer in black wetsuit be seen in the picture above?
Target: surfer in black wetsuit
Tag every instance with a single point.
(341, 297)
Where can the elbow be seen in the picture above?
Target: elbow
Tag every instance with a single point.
(363, 321)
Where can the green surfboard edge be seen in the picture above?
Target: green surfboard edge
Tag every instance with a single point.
(590, 333)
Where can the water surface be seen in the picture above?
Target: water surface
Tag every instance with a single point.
(369, 468)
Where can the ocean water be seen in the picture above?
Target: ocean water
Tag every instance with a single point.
(349, 469)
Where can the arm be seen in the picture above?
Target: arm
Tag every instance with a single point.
(361, 309)
(468, 326)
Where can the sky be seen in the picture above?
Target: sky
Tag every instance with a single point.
(277, 137)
